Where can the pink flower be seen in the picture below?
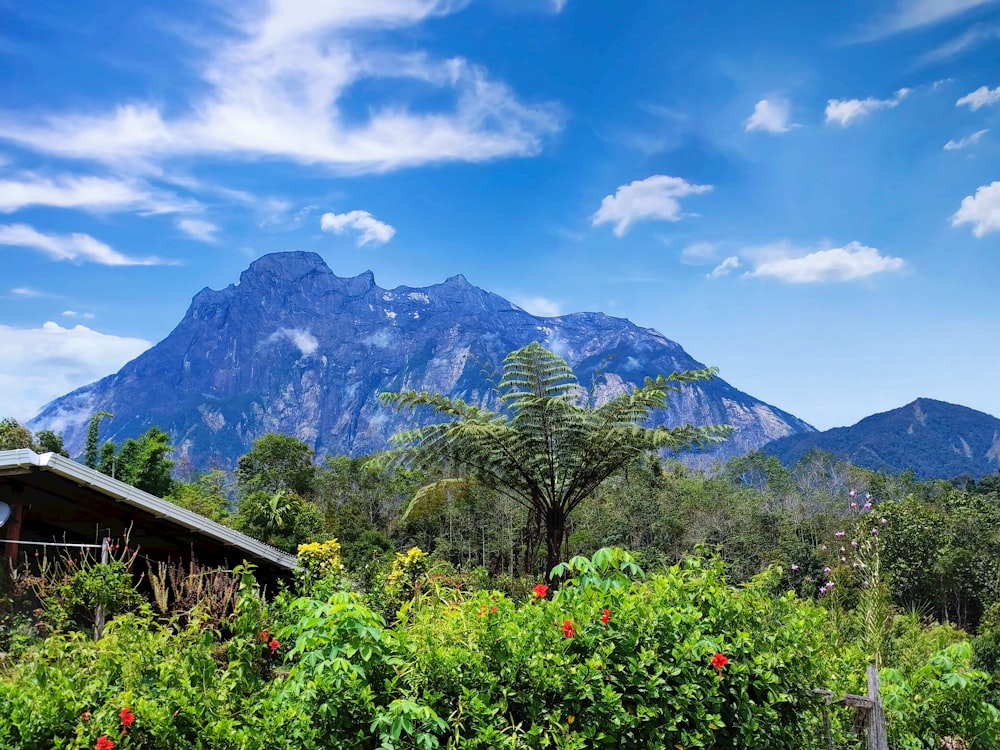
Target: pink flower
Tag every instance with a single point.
(840, 534)
(794, 566)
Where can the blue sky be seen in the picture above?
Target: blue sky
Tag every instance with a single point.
(806, 195)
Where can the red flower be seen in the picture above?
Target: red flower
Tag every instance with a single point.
(541, 591)
(719, 661)
(126, 716)
(567, 629)
(103, 743)
(605, 616)
(85, 716)
(274, 645)
(263, 635)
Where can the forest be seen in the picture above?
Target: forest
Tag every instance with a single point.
(685, 609)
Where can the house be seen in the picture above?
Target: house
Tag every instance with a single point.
(52, 499)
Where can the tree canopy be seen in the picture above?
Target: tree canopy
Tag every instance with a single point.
(550, 447)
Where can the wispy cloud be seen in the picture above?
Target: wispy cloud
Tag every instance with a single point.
(96, 194)
(74, 247)
(368, 227)
(75, 314)
(982, 210)
(26, 291)
(771, 116)
(984, 96)
(846, 111)
(969, 140)
(700, 253)
(199, 229)
(850, 263)
(725, 267)
(655, 197)
(277, 87)
(540, 306)
(40, 364)
(967, 40)
(913, 14)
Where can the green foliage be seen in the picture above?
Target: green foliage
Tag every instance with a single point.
(319, 564)
(140, 462)
(549, 450)
(620, 663)
(73, 587)
(281, 519)
(47, 441)
(92, 447)
(14, 435)
(206, 495)
(277, 463)
(944, 697)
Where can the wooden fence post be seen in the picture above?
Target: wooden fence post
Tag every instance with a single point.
(877, 739)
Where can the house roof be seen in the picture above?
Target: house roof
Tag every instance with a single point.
(67, 501)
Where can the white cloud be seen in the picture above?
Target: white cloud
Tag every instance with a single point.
(845, 111)
(26, 291)
(982, 210)
(969, 140)
(652, 198)
(75, 314)
(729, 264)
(86, 193)
(855, 261)
(277, 86)
(912, 14)
(770, 115)
(75, 247)
(302, 339)
(981, 97)
(700, 253)
(370, 228)
(970, 38)
(539, 306)
(198, 228)
(40, 364)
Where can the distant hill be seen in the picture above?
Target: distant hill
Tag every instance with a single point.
(935, 439)
(297, 350)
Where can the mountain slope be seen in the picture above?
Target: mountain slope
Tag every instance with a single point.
(295, 349)
(934, 438)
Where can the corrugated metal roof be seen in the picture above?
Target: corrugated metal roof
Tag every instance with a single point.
(24, 461)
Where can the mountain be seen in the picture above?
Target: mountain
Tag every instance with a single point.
(935, 439)
(297, 350)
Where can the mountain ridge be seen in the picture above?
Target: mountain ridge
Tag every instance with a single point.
(936, 439)
(293, 348)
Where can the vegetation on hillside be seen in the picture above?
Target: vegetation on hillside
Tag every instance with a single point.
(438, 623)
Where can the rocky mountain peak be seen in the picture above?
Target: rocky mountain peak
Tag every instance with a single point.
(295, 349)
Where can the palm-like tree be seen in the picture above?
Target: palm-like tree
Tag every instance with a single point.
(549, 448)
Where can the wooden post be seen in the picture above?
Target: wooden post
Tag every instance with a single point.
(877, 739)
(99, 612)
